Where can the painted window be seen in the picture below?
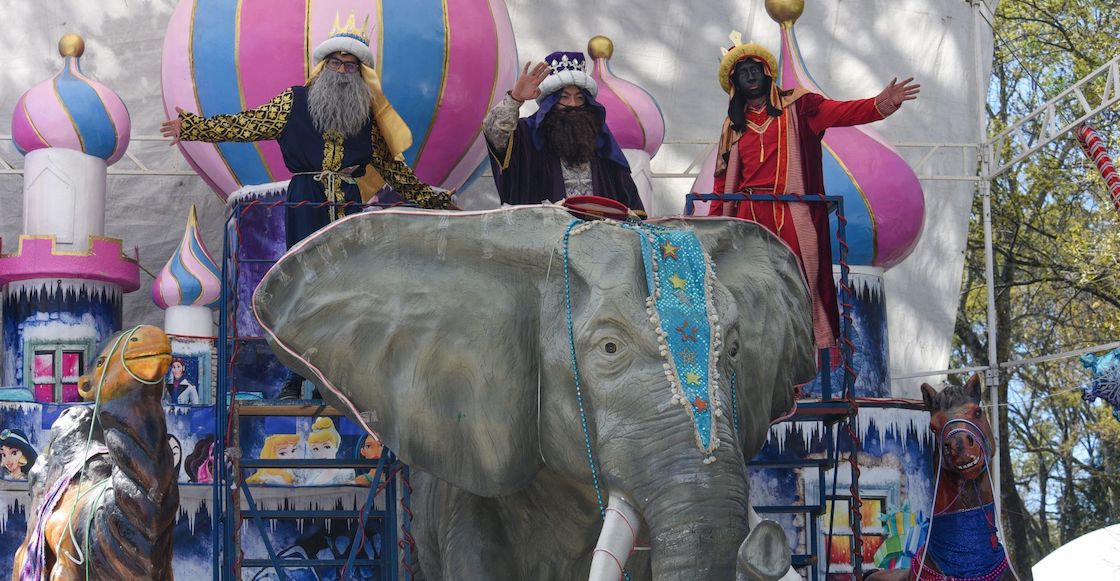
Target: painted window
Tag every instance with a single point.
(871, 529)
(54, 370)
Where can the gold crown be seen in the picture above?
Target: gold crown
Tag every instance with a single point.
(740, 51)
(351, 30)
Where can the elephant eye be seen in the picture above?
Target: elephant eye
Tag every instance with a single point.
(610, 347)
(100, 361)
(733, 349)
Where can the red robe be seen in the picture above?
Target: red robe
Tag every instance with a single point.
(783, 155)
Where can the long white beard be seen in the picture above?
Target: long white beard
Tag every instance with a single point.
(338, 102)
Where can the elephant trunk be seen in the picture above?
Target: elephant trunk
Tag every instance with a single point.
(616, 542)
(698, 523)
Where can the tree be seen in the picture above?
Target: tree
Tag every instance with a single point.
(1057, 282)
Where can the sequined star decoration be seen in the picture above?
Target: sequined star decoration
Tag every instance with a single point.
(680, 307)
(669, 250)
(688, 331)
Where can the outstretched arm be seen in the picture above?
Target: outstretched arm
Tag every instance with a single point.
(264, 122)
(847, 113)
(398, 175)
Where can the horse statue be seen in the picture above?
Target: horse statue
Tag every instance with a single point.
(105, 487)
(963, 543)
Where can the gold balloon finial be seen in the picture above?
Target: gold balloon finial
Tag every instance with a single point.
(71, 45)
(785, 12)
(600, 47)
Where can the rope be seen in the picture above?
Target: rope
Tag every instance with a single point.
(408, 543)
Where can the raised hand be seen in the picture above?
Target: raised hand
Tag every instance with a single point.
(172, 127)
(897, 92)
(529, 83)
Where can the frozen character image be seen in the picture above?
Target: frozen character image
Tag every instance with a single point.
(16, 455)
(200, 462)
(277, 447)
(179, 389)
(176, 453)
(370, 449)
(322, 444)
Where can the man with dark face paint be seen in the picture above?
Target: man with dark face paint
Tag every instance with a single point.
(771, 143)
(331, 131)
(565, 149)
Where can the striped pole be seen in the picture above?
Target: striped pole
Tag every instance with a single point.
(1094, 147)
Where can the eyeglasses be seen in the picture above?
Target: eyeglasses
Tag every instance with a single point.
(342, 66)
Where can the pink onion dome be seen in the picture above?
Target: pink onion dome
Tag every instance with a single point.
(443, 64)
(72, 111)
(190, 276)
(883, 198)
(633, 115)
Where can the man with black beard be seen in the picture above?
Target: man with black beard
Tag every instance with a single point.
(565, 149)
(328, 130)
(771, 144)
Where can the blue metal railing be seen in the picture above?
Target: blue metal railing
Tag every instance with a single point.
(229, 485)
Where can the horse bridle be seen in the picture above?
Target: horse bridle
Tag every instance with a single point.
(977, 433)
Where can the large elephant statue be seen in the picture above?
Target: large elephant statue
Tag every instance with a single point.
(528, 367)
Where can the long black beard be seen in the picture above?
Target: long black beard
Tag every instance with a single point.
(572, 134)
(338, 102)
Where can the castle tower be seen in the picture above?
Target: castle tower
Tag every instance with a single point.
(63, 282)
(636, 121)
(188, 288)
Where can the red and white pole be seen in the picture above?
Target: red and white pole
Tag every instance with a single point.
(1094, 147)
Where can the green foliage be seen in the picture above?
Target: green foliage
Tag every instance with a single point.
(1057, 281)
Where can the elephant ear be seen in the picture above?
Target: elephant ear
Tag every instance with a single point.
(424, 327)
(774, 318)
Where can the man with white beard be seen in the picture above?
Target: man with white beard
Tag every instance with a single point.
(328, 131)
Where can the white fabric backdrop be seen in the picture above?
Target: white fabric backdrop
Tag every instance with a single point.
(669, 47)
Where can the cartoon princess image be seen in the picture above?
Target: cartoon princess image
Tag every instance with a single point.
(370, 450)
(277, 447)
(17, 456)
(322, 444)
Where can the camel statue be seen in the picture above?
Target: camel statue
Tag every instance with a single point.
(105, 486)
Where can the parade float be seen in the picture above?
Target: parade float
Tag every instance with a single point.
(524, 426)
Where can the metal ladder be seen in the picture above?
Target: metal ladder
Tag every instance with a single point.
(233, 500)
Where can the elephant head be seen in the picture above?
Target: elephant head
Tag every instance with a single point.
(452, 336)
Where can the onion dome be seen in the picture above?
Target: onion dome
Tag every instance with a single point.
(190, 277)
(72, 111)
(633, 115)
(883, 199)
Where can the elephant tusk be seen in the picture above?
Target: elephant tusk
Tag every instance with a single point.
(616, 542)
